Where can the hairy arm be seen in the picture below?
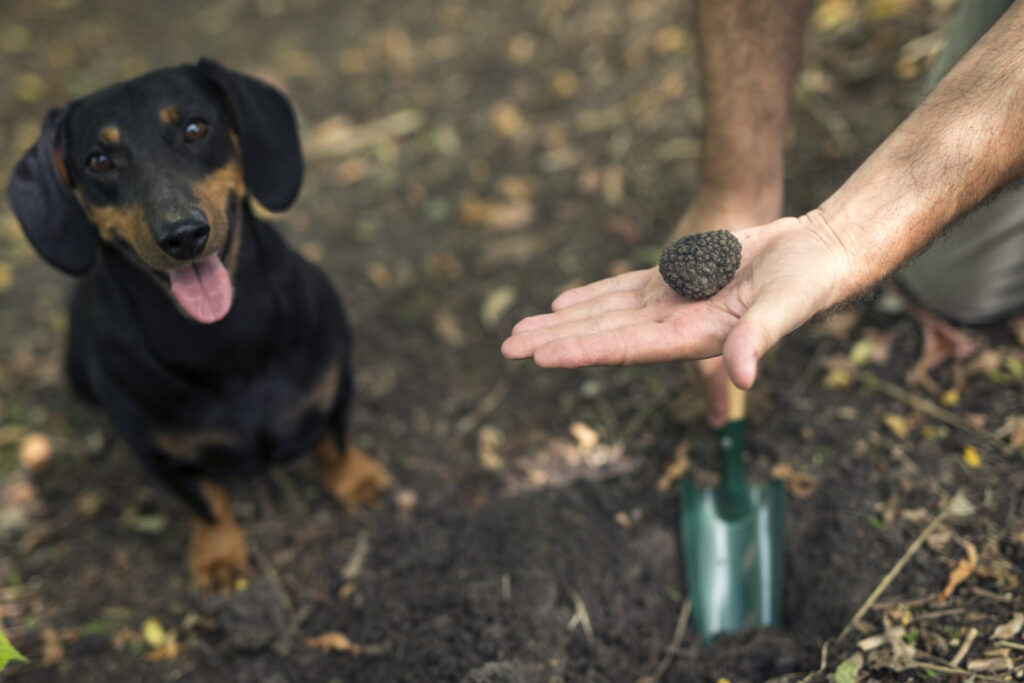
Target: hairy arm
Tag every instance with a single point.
(962, 143)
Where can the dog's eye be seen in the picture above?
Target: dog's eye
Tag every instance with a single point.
(99, 162)
(195, 130)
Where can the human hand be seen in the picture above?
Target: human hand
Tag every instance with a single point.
(791, 269)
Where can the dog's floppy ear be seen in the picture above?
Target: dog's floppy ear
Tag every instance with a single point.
(40, 195)
(265, 123)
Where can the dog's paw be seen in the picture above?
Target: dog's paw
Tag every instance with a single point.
(355, 480)
(217, 555)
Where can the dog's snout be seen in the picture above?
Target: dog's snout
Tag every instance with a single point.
(184, 239)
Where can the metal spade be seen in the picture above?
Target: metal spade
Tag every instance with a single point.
(732, 539)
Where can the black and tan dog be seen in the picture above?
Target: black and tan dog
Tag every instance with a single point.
(215, 349)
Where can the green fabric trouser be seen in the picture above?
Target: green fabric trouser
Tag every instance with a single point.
(974, 273)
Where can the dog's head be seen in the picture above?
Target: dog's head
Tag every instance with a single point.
(158, 167)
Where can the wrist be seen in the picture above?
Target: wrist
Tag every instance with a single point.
(843, 267)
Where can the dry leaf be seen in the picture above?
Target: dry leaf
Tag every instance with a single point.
(1010, 629)
(35, 452)
(800, 485)
(676, 469)
(53, 649)
(506, 119)
(962, 571)
(153, 632)
(586, 437)
(447, 327)
(167, 651)
(333, 641)
(990, 664)
(488, 440)
(496, 304)
(897, 424)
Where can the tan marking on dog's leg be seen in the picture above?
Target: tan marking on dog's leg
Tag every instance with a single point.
(353, 478)
(217, 554)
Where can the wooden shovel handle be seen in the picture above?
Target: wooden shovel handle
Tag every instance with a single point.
(737, 402)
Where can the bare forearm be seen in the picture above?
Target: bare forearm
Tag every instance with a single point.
(749, 51)
(962, 143)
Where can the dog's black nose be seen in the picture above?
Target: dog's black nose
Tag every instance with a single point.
(184, 239)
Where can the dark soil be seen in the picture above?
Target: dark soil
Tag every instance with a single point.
(538, 144)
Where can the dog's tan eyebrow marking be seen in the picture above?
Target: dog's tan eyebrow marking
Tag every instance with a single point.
(110, 135)
(169, 115)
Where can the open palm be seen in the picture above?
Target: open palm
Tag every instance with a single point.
(789, 271)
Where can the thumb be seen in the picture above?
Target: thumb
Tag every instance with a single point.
(771, 317)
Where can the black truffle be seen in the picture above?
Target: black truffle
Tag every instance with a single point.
(698, 266)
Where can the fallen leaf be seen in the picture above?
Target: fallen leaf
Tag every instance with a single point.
(800, 485)
(565, 84)
(8, 653)
(496, 304)
(847, 671)
(506, 119)
(669, 39)
(333, 641)
(676, 469)
(28, 87)
(1010, 629)
(35, 452)
(153, 632)
(950, 397)
(489, 440)
(831, 14)
(962, 571)
(166, 652)
(53, 649)
(971, 457)
(897, 424)
(521, 48)
(447, 327)
(586, 437)
(990, 664)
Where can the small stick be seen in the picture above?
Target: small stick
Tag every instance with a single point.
(898, 567)
(952, 670)
(928, 407)
(677, 639)
(581, 616)
(821, 667)
(487, 405)
(964, 647)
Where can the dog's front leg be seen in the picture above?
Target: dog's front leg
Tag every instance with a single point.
(217, 554)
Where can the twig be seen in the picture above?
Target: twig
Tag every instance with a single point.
(942, 668)
(965, 647)
(928, 407)
(355, 562)
(898, 567)
(581, 616)
(821, 667)
(677, 639)
(991, 595)
(487, 405)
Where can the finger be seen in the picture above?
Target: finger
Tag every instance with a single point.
(523, 344)
(636, 279)
(774, 315)
(609, 303)
(653, 342)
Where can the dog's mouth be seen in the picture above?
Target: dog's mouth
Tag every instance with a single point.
(203, 288)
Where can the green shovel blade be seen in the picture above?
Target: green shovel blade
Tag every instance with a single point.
(733, 546)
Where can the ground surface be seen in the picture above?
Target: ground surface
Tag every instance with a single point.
(466, 161)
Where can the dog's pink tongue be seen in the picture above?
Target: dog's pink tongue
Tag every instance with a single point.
(203, 289)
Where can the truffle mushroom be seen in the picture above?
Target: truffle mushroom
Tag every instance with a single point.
(698, 266)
